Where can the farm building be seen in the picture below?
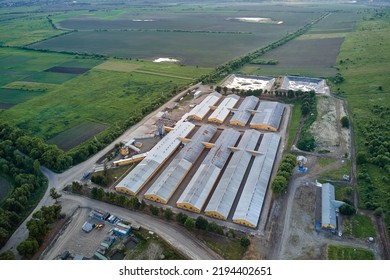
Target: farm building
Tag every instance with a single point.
(222, 111)
(201, 110)
(243, 113)
(304, 84)
(142, 173)
(223, 197)
(195, 195)
(249, 206)
(164, 187)
(268, 116)
(329, 207)
(247, 82)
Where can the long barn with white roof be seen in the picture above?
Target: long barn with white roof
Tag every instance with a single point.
(167, 183)
(145, 170)
(249, 206)
(196, 193)
(201, 110)
(222, 111)
(223, 197)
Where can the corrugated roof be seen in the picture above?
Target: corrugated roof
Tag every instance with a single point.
(226, 190)
(135, 180)
(166, 184)
(202, 182)
(201, 110)
(222, 111)
(270, 113)
(243, 114)
(303, 84)
(329, 205)
(251, 201)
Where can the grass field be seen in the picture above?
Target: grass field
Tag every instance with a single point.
(337, 174)
(229, 249)
(363, 62)
(78, 134)
(359, 226)
(102, 96)
(294, 123)
(26, 30)
(336, 252)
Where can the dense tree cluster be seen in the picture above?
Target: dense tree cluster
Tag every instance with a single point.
(26, 179)
(49, 155)
(111, 197)
(38, 228)
(280, 182)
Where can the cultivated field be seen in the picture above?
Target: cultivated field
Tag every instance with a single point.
(75, 136)
(312, 54)
(196, 35)
(11, 97)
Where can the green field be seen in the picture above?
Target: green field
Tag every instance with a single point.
(359, 226)
(11, 97)
(336, 252)
(363, 62)
(26, 30)
(78, 134)
(99, 96)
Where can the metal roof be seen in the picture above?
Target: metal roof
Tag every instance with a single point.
(201, 110)
(227, 188)
(329, 205)
(269, 113)
(243, 113)
(135, 180)
(222, 111)
(202, 182)
(251, 201)
(166, 184)
(303, 84)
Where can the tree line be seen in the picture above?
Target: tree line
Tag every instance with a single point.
(26, 180)
(280, 182)
(306, 140)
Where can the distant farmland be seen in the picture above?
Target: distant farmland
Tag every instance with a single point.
(309, 57)
(313, 54)
(197, 36)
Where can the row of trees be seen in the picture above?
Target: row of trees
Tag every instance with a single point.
(26, 181)
(133, 203)
(280, 182)
(309, 111)
(233, 65)
(38, 228)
